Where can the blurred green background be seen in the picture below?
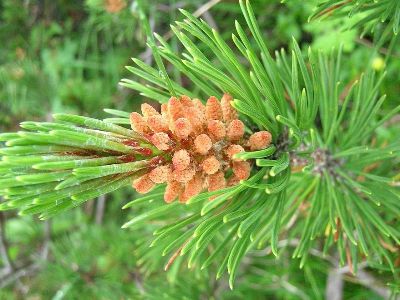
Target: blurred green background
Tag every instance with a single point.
(68, 56)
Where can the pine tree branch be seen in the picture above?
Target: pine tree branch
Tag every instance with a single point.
(369, 281)
(337, 276)
(11, 273)
(100, 207)
(16, 274)
(44, 253)
(382, 50)
(171, 6)
(210, 19)
(332, 198)
(199, 12)
(5, 257)
(393, 120)
(334, 283)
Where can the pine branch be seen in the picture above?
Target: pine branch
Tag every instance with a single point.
(5, 257)
(320, 163)
(297, 131)
(100, 206)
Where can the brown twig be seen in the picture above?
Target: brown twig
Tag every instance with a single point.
(331, 9)
(334, 282)
(337, 276)
(369, 44)
(170, 7)
(169, 34)
(101, 204)
(210, 20)
(14, 273)
(8, 264)
(367, 280)
(392, 121)
(175, 255)
(44, 254)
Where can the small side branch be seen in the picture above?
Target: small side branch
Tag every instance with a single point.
(8, 265)
(334, 285)
(101, 203)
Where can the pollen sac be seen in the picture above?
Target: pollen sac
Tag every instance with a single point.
(182, 128)
(259, 140)
(198, 145)
(228, 112)
(161, 140)
(138, 124)
(175, 109)
(185, 175)
(211, 165)
(160, 174)
(181, 160)
(148, 110)
(241, 169)
(186, 101)
(216, 181)
(157, 123)
(192, 188)
(233, 180)
(235, 130)
(164, 109)
(232, 150)
(143, 185)
(216, 129)
(199, 106)
(172, 191)
(213, 109)
(202, 144)
(196, 119)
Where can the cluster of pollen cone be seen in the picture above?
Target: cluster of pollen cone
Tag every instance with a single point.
(198, 142)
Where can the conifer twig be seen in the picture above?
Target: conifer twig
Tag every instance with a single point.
(382, 50)
(5, 257)
(334, 285)
(100, 207)
(19, 273)
(367, 280)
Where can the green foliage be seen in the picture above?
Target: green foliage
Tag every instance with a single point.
(62, 63)
(75, 275)
(327, 136)
(61, 165)
(370, 15)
